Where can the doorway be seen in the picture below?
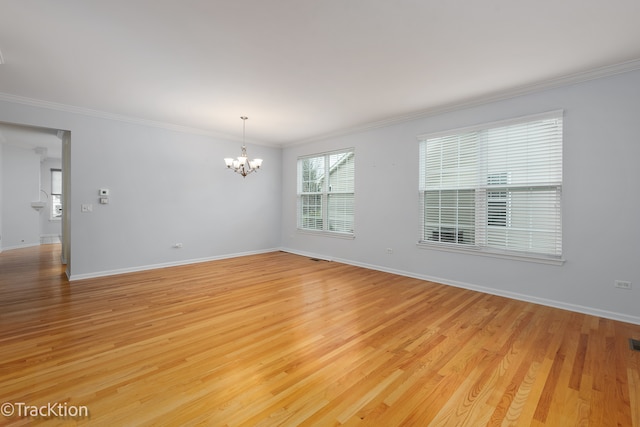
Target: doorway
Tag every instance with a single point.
(34, 187)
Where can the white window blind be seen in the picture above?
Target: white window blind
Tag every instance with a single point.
(326, 192)
(495, 187)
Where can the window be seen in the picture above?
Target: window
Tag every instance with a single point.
(326, 192)
(494, 188)
(56, 194)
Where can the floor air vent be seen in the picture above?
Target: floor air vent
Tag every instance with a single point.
(634, 344)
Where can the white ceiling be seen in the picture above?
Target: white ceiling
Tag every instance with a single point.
(299, 69)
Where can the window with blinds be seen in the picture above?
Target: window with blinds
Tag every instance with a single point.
(326, 192)
(494, 188)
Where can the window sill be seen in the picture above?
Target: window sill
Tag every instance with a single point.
(526, 257)
(334, 234)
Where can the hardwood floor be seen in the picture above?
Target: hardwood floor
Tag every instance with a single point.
(279, 339)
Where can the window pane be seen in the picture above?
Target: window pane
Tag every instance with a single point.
(497, 208)
(56, 181)
(312, 175)
(326, 192)
(340, 210)
(495, 187)
(56, 206)
(341, 168)
(450, 216)
(530, 153)
(451, 162)
(310, 215)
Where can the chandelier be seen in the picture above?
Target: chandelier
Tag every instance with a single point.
(242, 165)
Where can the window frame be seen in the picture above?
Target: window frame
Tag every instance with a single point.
(52, 215)
(496, 190)
(324, 195)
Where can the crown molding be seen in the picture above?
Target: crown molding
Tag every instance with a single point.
(16, 99)
(566, 80)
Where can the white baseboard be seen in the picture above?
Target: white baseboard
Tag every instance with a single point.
(26, 245)
(492, 291)
(46, 239)
(74, 277)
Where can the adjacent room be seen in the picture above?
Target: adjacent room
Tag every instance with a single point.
(360, 212)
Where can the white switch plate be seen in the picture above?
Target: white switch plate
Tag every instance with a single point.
(87, 207)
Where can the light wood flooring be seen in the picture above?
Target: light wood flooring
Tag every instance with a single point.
(279, 339)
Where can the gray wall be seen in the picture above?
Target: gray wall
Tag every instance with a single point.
(1, 191)
(601, 202)
(20, 186)
(167, 186)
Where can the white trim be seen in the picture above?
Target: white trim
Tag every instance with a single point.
(322, 233)
(471, 181)
(74, 277)
(46, 239)
(122, 118)
(528, 257)
(351, 150)
(554, 114)
(491, 291)
(324, 193)
(26, 245)
(569, 79)
(307, 254)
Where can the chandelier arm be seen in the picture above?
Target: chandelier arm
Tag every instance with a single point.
(243, 165)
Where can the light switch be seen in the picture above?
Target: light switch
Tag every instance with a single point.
(103, 192)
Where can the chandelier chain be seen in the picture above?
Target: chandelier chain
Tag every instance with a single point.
(242, 164)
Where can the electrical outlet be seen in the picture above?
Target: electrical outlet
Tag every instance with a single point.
(389, 250)
(621, 284)
(177, 245)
